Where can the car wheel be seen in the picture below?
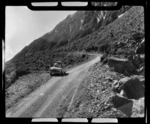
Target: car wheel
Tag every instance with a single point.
(51, 74)
(61, 73)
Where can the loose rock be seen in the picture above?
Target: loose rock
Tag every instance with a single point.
(118, 85)
(133, 87)
(137, 59)
(123, 104)
(122, 65)
(141, 71)
(123, 93)
(119, 100)
(141, 48)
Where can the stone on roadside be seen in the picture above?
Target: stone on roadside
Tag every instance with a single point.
(133, 86)
(137, 59)
(115, 82)
(141, 48)
(123, 104)
(141, 71)
(123, 93)
(104, 59)
(119, 100)
(117, 85)
(122, 65)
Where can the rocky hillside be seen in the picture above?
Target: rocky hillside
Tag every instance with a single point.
(83, 31)
(93, 20)
(114, 87)
(105, 93)
(126, 28)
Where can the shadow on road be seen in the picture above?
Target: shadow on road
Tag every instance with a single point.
(60, 74)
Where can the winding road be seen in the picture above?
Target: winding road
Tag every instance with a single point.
(44, 101)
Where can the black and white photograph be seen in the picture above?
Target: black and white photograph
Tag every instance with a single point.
(75, 63)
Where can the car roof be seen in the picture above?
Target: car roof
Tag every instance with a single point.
(58, 62)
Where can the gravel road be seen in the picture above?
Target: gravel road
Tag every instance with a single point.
(44, 101)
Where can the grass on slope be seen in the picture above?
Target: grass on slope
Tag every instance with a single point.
(37, 62)
(23, 87)
(28, 83)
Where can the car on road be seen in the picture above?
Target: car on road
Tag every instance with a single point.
(57, 69)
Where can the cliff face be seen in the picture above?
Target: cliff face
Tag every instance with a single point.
(93, 20)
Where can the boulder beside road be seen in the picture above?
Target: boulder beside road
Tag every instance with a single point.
(133, 87)
(119, 100)
(137, 59)
(129, 94)
(122, 65)
(123, 104)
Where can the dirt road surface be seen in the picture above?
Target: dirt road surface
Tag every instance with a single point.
(44, 101)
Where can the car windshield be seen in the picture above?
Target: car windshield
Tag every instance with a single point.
(57, 65)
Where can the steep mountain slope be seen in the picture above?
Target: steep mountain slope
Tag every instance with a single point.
(66, 29)
(98, 19)
(127, 29)
(73, 27)
(84, 30)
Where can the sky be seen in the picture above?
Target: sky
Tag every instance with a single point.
(23, 25)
